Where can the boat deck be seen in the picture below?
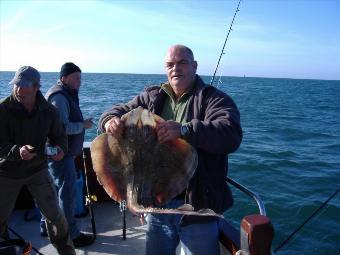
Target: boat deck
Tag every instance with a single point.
(109, 222)
(109, 240)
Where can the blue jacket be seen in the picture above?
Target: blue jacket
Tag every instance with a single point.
(71, 115)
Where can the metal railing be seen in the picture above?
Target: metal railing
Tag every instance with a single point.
(250, 193)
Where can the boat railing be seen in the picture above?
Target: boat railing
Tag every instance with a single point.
(250, 193)
(256, 231)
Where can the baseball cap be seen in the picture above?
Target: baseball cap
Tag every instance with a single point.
(26, 76)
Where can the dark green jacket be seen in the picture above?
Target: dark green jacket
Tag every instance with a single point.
(19, 127)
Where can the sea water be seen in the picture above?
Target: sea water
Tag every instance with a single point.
(290, 153)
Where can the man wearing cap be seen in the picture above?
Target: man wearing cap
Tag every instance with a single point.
(64, 96)
(28, 122)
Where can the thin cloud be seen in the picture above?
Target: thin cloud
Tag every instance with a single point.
(4, 27)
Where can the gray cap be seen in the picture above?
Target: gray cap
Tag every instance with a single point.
(26, 76)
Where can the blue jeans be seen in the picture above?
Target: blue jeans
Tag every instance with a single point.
(164, 233)
(63, 173)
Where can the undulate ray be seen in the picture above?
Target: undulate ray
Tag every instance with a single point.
(142, 171)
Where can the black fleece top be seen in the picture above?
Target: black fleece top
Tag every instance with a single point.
(19, 127)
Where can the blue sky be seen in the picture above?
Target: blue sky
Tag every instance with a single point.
(281, 38)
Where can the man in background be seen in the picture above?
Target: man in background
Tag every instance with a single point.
(27, 123)
(64, 96)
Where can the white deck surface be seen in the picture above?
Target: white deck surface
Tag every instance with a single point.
(109, 222)
(109, 232)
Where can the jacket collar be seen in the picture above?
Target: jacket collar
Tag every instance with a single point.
(72, 92)
(40, 104)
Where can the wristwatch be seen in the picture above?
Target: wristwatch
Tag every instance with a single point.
(184, 131)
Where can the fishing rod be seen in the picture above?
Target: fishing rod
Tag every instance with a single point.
(225, 42)
(307, 220)
(89, 198)
(122, 207)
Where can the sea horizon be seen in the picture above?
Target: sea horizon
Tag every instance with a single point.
(205, 75)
